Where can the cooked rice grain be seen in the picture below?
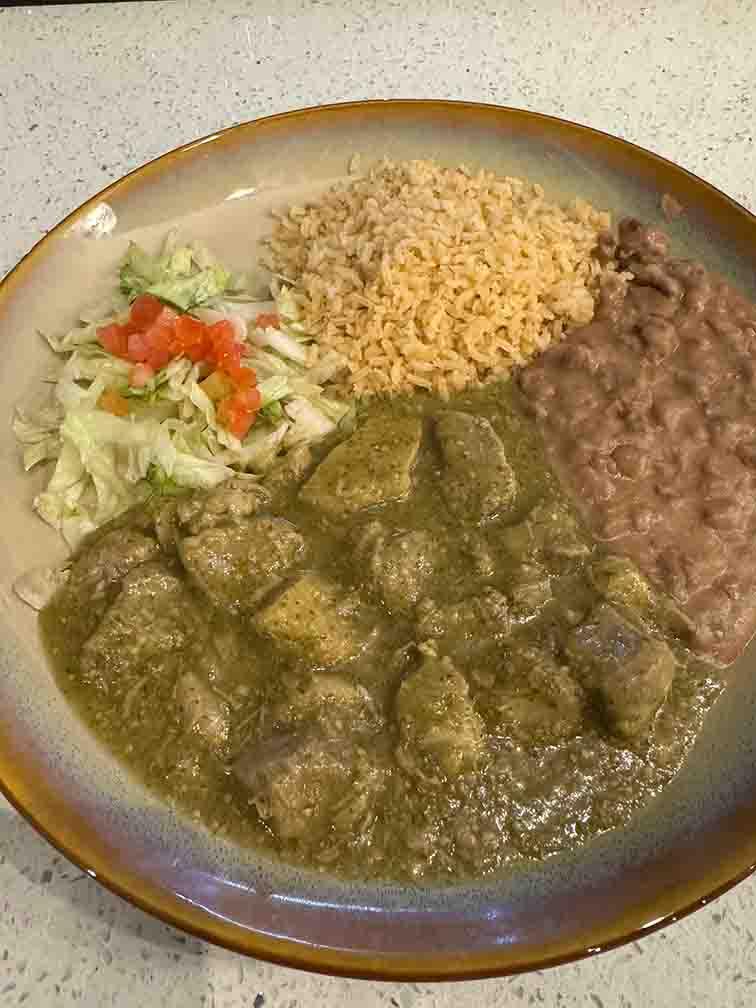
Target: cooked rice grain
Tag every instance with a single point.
(431, 277)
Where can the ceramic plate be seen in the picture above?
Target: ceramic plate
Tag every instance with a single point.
(690, 844)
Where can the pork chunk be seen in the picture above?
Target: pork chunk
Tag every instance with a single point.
(233, 501)
(203, 713)
(112, 556)
(550, 530)
(286, 476)
(153, 618)
(238, 564)
(478, 483)
(556, 531)
(621, 583)
(400, 568)
(308, 787)
(535, 699)
(630, 672)
(529, 591)
(96, 574)
(314, 620)
(335, 705)
(458, 625)
(372, 466)
(440, 732)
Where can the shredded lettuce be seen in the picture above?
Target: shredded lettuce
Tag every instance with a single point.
(185, 276)
(171, 440)
(273, 389)
(31, 430)
(285, 345)
(308, 422)
(272, 412)
(42, 451)
(38, 434)
(288, 310)
(260, 447)
(162, 483)
(38, 586)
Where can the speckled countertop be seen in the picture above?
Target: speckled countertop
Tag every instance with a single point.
(90, 92)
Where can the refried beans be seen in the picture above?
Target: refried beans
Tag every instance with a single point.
(649, 417)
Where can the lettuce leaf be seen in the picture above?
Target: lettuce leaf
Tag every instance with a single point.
(308, 423)
(186, 276)
(274, 388)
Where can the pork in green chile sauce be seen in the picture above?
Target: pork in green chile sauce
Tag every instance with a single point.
(380, 663)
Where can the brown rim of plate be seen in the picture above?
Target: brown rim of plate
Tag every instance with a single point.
(168, 906)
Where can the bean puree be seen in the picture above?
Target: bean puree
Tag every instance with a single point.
(649, 418)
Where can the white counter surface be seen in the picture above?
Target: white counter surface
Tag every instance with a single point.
(88, 92)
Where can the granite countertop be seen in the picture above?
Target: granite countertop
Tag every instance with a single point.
(88, 92)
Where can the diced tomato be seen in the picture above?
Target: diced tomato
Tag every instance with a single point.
(159, 356)
(217, 386)
(243, 377)
(267, 320)
(228, 358)
(238, 412)
(140, 375)
(145, 310)
(234, 417)
(151, 343)
(225, 352)
(191, 338)
(155, 335)
(138, 347)
(228, 416)
(250, 398)
(160, 341)
(226, 343)
(113, 402)
(115, 339)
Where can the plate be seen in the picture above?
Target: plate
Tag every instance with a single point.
(689, 845)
